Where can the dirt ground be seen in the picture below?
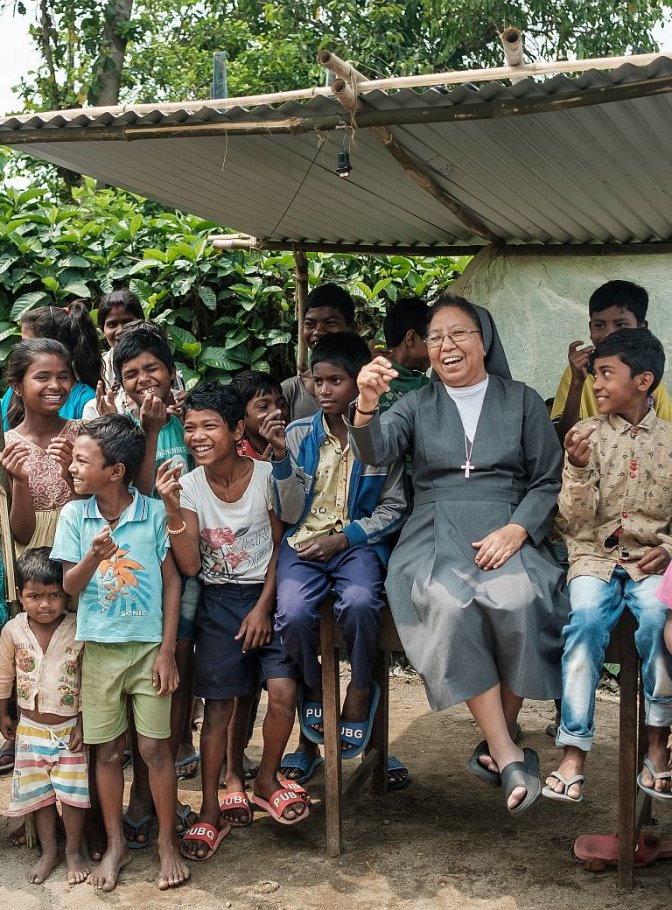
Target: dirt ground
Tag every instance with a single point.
(446, 841)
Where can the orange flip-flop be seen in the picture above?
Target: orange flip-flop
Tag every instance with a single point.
(234, 801)
(280, 800)
(204, 834)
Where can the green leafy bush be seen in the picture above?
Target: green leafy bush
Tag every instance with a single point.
(222, 312)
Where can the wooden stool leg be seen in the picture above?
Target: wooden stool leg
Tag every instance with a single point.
(380, 731)
(331, 699)
(628, 752)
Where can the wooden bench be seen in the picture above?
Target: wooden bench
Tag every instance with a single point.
(634, 807)
(374, 763)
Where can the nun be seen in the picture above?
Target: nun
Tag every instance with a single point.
(476, 595)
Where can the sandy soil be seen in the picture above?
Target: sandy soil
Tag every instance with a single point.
(444, 842)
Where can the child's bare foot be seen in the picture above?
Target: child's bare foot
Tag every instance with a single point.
(78, 868)
(173, 873)
(18, 836)
(43, 867)
(106, 874)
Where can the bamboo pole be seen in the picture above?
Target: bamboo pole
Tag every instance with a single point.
(300, 294)
(512, 42)
(530, 249)
(9, 561)
(425, 80)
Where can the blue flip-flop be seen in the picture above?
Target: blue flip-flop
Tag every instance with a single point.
(306, 764)
(310, 712)
(194, 759)
(358, 733)
(393, 764)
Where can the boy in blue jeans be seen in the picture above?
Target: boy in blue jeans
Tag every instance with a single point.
(341, 514)
(116, 557)
(616, 501)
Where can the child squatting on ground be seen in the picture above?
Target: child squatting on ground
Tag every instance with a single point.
(39, 650)
(223, 527)
(116, 557)
(616, 506)
(340, 515)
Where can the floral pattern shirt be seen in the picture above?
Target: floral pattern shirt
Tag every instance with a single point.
(620, 504)
(47, 486)
(48, 681)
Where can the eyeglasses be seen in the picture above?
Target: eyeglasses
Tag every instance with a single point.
(457, 336)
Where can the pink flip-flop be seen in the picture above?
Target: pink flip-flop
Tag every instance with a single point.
(232, 802)
(282, 799)
(204, 834)
(603, 848)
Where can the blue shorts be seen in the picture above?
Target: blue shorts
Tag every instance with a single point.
(191, 595)
(222, 670)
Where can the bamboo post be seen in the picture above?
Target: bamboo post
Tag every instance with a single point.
(300, 294)
(9, 561)
(512, 42)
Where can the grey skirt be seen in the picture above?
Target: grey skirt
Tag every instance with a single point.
(465, 629)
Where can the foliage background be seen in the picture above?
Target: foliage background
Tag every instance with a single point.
(222, 313)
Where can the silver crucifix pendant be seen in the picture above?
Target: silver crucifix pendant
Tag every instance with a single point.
(467, 467)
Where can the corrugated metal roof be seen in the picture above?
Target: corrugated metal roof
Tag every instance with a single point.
(555, 161)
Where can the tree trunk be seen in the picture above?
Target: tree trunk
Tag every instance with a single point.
(109, 65)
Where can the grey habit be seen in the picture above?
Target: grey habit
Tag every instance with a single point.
(465, 629)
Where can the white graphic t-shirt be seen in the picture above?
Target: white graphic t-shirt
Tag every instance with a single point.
(235, 537)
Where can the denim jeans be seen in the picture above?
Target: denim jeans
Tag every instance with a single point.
(596, 607)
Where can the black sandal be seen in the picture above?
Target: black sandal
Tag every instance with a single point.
(522, 774)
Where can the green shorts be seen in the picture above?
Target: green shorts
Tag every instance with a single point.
(113, 674)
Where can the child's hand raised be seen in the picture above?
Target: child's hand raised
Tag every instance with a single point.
(578, 360)
(14, 459)
(103, 545)
(105, 403)
(577, 446)
(60, 449)
(165, 677)
(272, 429)
(168, 486)
(153, 415)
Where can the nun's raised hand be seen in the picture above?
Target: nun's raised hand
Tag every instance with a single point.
(373, 381)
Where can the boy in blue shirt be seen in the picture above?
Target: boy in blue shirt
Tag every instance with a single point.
(341, 515)
(116, 557)
(145, 367)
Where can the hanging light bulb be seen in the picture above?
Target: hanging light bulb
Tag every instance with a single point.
(343, 167)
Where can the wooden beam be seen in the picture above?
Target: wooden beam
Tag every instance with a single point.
(362, 249)
(300, 294)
